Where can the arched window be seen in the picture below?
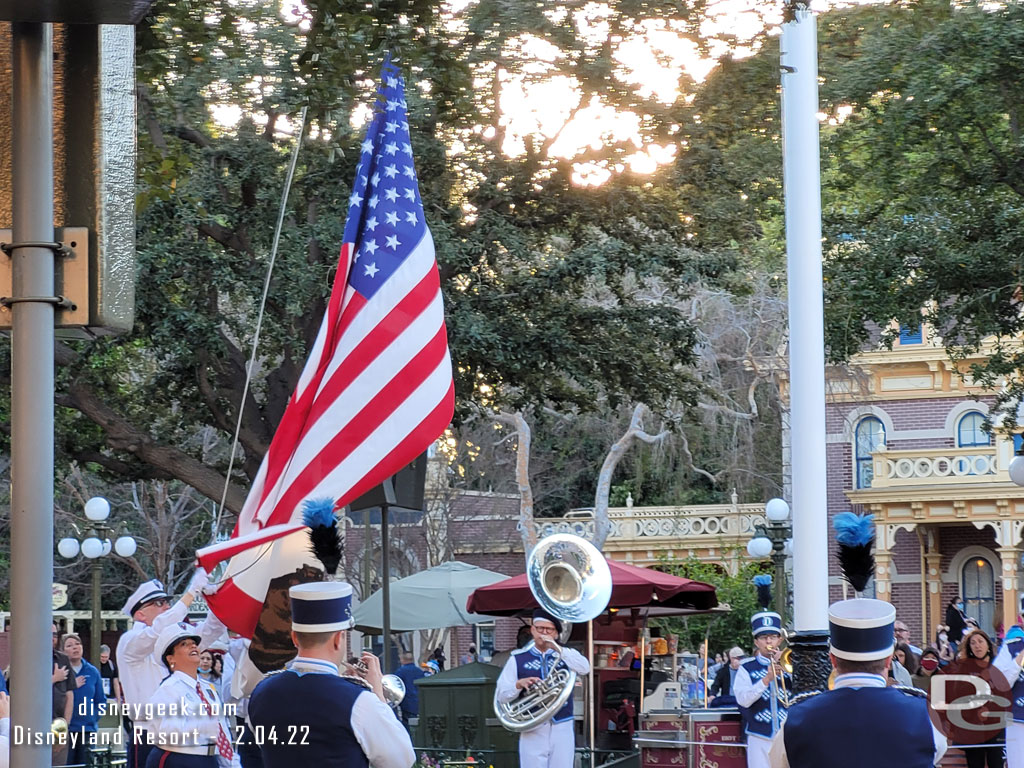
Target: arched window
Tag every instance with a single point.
(969, 432)
(977, 580)
(869, 435)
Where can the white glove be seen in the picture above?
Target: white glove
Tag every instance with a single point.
(199, 581)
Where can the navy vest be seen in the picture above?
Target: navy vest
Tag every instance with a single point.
(531, 663)
(314, 710)
(858, 727)
(1017, 692)
(757, 718)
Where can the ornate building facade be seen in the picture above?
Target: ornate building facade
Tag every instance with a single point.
(905, 442)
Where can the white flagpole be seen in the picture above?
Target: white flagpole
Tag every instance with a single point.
(801, 173)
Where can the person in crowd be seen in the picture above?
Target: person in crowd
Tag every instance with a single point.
(945, 648)
(926, 668)
(409, 673)
(337, 720)
(471, 656)
(726, 676)
(861, 721)
(906, 657)
(903, 636)
(248, 750)
(89, 701)
(956, 620)
(206, 670)
(719, 663)
(108, 674)
(439, 657)
(758, 688)
(64, 684)
(430, 667)
(5, 730)
(523, 637)
(975, 658)
(150, 609)
(188, 725)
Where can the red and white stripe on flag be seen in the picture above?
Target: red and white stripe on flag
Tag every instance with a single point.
(377, 387)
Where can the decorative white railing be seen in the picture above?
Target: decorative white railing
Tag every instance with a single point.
(940, 466)
(708, 524)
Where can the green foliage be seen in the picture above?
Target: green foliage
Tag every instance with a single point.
(725, 630)
(925, 211)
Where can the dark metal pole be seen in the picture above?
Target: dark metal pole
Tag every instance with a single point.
(779, 560)
(385, 566)
(367, 560)
(32, 390)
(97, 617)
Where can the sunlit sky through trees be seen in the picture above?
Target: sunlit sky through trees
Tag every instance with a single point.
(660, 60)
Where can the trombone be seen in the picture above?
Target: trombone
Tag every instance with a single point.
(784, 664)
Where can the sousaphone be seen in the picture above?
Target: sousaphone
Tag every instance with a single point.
(570, 579)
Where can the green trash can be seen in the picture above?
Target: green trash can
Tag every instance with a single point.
(457, 716)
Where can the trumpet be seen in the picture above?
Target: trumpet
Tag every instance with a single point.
(392, 685)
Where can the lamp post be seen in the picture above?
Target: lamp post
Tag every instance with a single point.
(775, 540)
(93, 546)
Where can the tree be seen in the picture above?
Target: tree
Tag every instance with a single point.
(724, 630)
(536, 270)
(925, 211)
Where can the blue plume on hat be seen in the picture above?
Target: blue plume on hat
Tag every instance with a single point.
(855, 535)
(318, 514)
(763, 583)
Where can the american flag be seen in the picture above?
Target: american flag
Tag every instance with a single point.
(377, 388)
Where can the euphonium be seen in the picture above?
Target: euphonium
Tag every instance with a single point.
(571, 580)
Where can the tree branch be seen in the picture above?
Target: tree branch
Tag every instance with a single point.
(518, 422)
(602, 525)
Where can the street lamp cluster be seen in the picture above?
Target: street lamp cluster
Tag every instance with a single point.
(96, 544)
(775, 540)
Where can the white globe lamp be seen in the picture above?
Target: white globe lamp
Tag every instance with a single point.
(68, 548)
(1016, 469)
(759, 547)
(97, 509)
(92, 548)
(107, 546)
(125, 546)
(776, 510)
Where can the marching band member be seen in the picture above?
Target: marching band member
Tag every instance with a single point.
(758, 688)
(862, 721)
(188, 728)
(551, 744)
(150, 609)
(1010, 660)
(311, 714)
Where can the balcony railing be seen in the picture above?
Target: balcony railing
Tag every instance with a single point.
(714, 525)
(942, 466)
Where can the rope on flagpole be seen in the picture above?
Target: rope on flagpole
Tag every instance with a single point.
(259, 317)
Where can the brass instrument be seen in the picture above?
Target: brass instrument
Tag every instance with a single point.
(784, 664)
(571, 580)
(392, 685)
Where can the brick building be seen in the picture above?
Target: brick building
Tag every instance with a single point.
(905, 442)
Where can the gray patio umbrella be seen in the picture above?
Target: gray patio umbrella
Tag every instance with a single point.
(431, 599)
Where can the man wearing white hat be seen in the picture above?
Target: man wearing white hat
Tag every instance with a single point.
(309, 714)
(861, 722)
(150, 609)
(758, 691)
(552, 743)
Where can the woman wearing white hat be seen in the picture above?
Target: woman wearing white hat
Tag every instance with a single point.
(188, 726)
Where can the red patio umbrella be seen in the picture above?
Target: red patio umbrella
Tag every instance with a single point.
(632, 587)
